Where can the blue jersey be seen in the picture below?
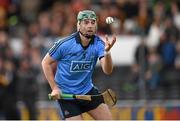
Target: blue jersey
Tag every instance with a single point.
(76, 63)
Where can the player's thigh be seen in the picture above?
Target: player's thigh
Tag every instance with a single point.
(69, 109)
(102, 112)
(79, 117)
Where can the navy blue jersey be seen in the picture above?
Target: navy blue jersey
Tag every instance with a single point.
(76, 63)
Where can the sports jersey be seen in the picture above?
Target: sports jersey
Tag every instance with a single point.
(76, 63)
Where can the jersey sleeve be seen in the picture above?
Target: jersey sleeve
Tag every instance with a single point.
(101, 49)
(56, 51)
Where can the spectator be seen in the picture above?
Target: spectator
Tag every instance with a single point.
(167, 51)
(154, 68)
(27, 87)
(8, 81)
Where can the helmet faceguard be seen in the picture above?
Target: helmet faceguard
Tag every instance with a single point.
(85, 14)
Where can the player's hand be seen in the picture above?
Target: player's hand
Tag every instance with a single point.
(109, 43)
(56, 93)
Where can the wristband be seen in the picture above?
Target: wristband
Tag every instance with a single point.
(107, 53)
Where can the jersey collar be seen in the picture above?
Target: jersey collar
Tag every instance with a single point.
(77, 37)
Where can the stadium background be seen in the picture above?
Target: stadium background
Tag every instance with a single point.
(146, 55)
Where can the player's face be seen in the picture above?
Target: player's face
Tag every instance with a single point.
(88, 27)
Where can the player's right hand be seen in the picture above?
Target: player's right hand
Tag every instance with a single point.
(56, 94)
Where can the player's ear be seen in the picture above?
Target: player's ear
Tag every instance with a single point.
(96, 27)
(78, 25)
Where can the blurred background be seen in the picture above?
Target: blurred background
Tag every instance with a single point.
(146, 55)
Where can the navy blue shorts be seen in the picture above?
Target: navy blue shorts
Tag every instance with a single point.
(70, 108)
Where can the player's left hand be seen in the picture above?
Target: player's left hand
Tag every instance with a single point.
(109, 43)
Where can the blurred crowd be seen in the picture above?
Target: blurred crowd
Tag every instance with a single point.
(28, 28)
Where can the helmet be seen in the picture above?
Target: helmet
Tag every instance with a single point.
(86, 14)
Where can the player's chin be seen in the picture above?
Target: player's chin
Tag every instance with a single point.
(90, 33)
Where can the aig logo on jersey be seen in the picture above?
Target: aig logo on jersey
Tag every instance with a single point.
(81, 66)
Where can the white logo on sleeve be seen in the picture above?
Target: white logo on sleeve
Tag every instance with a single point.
(66, 112)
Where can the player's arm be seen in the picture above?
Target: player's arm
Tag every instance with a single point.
(47, 63)
(106, 64)
(106, 61)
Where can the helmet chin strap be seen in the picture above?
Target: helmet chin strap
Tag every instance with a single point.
(85, 35)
